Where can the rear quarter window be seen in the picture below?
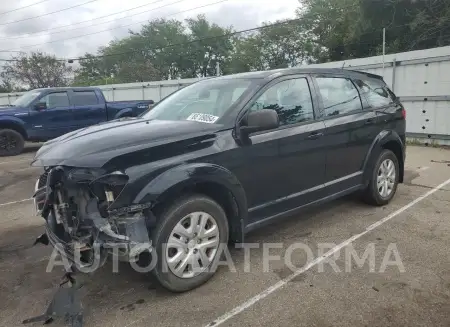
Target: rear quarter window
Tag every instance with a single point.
(84, 98)
(339, 95)
(376, 92)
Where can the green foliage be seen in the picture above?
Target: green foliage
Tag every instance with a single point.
(325, 30)
(347, 29)
(36, 70)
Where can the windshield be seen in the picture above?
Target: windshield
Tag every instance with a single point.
(206, 101)
(25, 99)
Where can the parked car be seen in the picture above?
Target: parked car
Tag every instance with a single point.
(244, 151)
(42, 114)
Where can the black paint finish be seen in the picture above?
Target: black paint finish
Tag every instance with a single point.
(269, 174)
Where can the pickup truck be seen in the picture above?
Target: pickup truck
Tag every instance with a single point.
(43, 114)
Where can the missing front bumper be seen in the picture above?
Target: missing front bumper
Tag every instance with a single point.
(87, 242)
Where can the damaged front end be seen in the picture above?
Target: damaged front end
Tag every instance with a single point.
(75, 203)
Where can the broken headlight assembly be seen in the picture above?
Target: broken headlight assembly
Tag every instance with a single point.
(75, 203)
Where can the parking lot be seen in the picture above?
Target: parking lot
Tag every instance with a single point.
(415, 226)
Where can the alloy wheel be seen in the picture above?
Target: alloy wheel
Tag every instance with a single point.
(386, 178)
(192, 245)
(7, 142)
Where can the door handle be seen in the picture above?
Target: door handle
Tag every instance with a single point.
(369, 121)
(315, 135)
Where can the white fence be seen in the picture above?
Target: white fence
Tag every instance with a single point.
(121, 92)
(420, 78)
(422, 81)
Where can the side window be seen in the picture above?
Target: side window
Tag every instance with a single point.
(375, 92)
(339, 95)
(291, 99)
(84, 98)
(55, 100)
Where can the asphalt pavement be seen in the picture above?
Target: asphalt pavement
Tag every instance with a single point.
(404, 280)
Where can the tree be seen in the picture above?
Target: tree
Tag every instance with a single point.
(279, 46)
(326, 30)
(36, 70)
(6, 86)
(214, 48)
(162, 49)
(345, 29)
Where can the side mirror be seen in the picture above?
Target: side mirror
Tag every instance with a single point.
(40, 106)
(261, 120)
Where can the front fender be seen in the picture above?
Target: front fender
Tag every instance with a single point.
(127, 112)
(175, 180)
(11, 121)
(376, 147)
(184, 175)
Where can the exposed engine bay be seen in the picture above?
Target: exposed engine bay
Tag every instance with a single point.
(76, 202)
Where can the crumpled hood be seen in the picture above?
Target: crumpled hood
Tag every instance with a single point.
(94, 146)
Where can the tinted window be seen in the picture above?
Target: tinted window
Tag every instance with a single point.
(375, 92)
(84, 98)
(339, 95)
(291, 99)
(54, 100)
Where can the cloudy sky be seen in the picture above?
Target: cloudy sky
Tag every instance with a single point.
(66, 33)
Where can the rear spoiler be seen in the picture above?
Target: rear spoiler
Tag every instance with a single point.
(379, 77)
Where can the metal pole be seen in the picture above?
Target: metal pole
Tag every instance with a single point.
(217, 68)
(384, 46)
(394, 65)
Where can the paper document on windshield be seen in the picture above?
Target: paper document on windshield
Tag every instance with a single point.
(203, 118)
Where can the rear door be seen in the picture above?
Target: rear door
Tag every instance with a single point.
(295, 176)
(56, 119)
(88, 109)
(349, 131)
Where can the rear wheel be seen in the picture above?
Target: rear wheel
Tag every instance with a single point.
(189, 240)
(11, 142)
(384, 179)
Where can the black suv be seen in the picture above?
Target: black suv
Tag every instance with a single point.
(218, 159)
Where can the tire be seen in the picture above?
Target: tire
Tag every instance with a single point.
(11, 142)
(376, 195)
(185, 210)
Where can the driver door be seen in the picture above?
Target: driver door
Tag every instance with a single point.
(56, 119)
(285, 166)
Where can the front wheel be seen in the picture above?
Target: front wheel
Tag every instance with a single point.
(189, 239)
(384, 179)
(11, 142)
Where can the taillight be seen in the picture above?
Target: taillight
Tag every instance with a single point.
(403, 113)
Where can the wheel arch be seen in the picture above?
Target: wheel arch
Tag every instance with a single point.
(14, 125)
(210, 180)
(126, 112)
(390, 140)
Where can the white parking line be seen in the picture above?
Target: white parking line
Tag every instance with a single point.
(13, 202)
(230, 314)
(15, 161)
